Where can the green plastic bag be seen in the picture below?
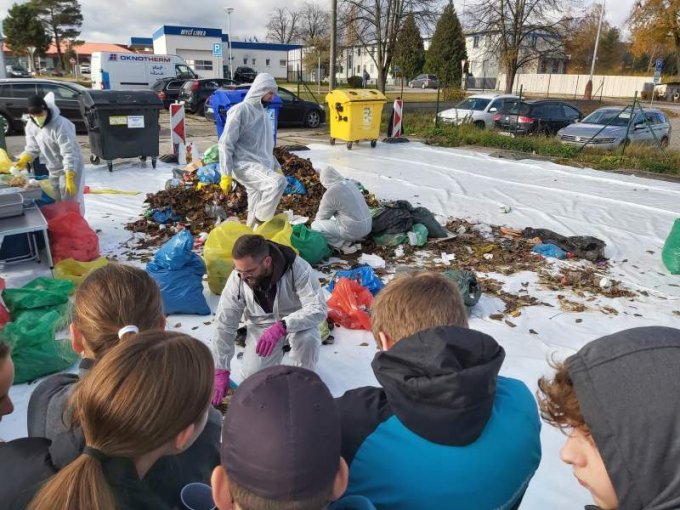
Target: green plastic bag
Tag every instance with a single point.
(391, 240)
(35, 351)
(418, 235)
(468, 285)
(212, 155)
(671, 249)
(38, 293)
(311, 244)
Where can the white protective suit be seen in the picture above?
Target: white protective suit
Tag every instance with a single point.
(246, 151)
(56, 142)
(299, 302)
(343, 215)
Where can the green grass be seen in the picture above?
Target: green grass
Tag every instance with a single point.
(644, 158)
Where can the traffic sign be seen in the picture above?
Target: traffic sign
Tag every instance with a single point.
(217, 50)
(72, 60)
(657, 71)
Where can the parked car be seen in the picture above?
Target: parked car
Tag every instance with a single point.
(14, 96)
(295, 111)
(244, 74)
(424, 81)
(606, 128)
(16, 71)
(51, 71)
(477, 110)
(545, 117)
(168, 89)
(85, 68)
(195, 92)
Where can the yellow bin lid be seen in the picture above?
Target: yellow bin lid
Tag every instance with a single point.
(354, 95)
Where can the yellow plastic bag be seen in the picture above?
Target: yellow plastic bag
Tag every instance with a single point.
(5, 162)
(220, 242)
(76, 271)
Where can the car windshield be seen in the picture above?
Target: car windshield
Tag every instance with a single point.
(608, 117)
(515, 107)
(474, 103)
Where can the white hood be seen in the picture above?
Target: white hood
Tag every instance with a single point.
(262, 85)
(329, 176)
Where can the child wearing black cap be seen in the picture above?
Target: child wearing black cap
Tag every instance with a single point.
(280, 444)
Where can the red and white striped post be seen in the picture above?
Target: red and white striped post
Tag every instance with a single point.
(397, 117)
(178, 132)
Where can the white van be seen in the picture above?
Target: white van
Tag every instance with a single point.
(129, 71)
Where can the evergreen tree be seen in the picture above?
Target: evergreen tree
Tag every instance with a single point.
(62, 20)
(23, 29)
(447, 49)
(410, 53)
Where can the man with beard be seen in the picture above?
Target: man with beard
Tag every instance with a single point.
(280, 301)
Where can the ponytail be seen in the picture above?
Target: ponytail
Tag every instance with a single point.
(79, 485)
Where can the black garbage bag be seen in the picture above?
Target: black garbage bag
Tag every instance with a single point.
(392, 221)
(584, 247)
(468, 285)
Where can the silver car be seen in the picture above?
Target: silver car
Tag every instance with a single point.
(424, 81)
(477, 110)
(605, 128)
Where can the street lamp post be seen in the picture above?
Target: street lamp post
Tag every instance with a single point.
(31, 52)
(229, 10)
(589, 85)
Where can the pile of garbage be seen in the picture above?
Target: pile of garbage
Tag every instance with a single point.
(193, 200)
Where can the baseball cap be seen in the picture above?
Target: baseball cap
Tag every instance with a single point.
(281, 434)
(36, 104)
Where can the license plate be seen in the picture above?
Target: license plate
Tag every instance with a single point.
(505, 133)
(209, 110)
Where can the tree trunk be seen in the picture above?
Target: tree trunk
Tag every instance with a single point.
(676, 38)
(57, 41)
(382, 78)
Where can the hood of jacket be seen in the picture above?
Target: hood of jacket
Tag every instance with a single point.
(627, 387)
(329, 176)
(262, 85)
(441, 382)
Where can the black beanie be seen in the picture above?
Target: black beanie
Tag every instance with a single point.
(36, 104)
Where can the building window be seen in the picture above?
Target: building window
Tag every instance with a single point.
(253, 61)
(282, 62)
(203, 65)
(267, 61)
(475, 41)
(245, 61)
(534, 40)
(358, 52)
(358, 69)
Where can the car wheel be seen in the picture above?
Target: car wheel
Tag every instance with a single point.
(7, 123)
(424, 85)
(480, 124)
(312, 119)
(664, 142)
(200, 109)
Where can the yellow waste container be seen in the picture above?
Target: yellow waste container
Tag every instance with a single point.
(355, 115)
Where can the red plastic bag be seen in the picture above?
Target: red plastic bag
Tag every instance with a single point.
(70, 234)
(349, 303)
(4, 313)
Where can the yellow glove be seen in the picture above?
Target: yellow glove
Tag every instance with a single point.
(23, 162)
(70, 187)
(225, 183)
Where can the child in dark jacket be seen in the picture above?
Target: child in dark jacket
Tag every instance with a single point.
(445, 431)
(111, 305)
(148, 398)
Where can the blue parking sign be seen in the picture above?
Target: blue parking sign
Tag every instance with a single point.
(659, 65)
(217, 50)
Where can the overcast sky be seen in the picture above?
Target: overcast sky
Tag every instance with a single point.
(117, 20)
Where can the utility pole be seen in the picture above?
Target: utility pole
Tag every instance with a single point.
(589, 86)
(229, 10)
(334, 42)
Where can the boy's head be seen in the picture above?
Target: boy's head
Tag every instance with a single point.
(413, 303)
(280, 444)
(617, 399)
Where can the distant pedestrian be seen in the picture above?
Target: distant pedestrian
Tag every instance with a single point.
(364, 79)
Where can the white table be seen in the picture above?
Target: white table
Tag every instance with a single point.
(30, 222)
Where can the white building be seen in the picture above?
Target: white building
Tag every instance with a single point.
(206, 50)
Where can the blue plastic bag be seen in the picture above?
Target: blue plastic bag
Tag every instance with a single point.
(209, 174)
(294, 187)
(164, 216)
(179, 274)
(550, 250)
(364, 275)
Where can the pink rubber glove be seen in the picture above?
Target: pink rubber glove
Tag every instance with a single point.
(221, 386)
(269, 339)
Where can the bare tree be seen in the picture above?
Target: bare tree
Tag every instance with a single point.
(375, 24)
(283, 26)
(315, 22)
(519, 31)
